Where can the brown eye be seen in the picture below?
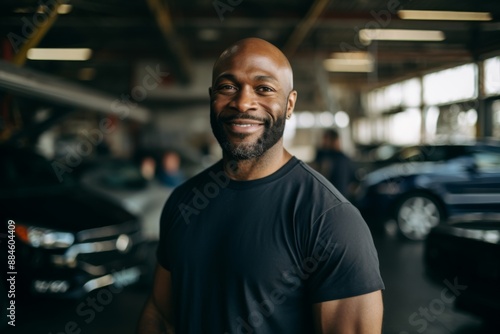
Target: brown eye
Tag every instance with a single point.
(226, 88)
(265, 89)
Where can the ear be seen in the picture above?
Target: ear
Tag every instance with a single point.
(292, 98)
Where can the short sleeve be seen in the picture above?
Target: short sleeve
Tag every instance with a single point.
(343, 261)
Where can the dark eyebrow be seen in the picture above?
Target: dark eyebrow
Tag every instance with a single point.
(231, 77)
(225, 76)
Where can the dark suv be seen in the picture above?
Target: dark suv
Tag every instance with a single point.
(68, 240)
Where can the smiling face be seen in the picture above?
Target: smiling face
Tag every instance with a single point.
(251, 96)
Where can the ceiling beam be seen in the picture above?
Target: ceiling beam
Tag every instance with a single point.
(304, 27)
(181, 58)
(35, 38)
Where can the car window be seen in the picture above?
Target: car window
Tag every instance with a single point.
(487, 162)
(434, 153)
(413, 153)
(423, 153)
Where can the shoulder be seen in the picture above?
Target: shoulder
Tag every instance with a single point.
(317, 183)
(310, 194)
(323, 206)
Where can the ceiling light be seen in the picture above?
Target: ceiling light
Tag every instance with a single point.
(354, 61)
(351, 55)
(342, 119)
(64, 9)
(368, 35)
(60, 54)
(348, 65)
(444, 15)
(61, 9)
(326, 119)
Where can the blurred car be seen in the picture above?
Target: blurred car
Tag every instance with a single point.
(68, 239)
(466, 253)
(122, 182)
(371, 157)
(386, 155)
(419, 193)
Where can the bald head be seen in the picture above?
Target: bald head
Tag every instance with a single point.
(255, 49)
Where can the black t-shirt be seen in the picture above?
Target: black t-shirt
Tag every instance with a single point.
(252, 256)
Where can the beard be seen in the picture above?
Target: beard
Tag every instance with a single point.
(273, 131)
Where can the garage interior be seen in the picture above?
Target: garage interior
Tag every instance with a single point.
(135, 79)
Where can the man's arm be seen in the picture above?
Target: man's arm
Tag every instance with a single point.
(355, 315)
(157, 316)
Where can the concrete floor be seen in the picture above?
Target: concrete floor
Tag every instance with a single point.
(408, 293)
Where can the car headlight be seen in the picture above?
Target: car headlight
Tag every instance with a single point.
(44, 238)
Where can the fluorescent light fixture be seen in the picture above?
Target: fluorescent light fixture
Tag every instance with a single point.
(351, 55)
(347, 65)
(349, 62)
(368, 35)
(60, 54)
(444, 15)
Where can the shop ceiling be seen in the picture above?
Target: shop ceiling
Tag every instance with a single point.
(182, 33)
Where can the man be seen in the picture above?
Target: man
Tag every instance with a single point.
(333, 164)
(260, 242)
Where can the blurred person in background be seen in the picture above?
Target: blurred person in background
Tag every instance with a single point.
(148, 168)
(171, 174)
(260, 242)
(334, 164)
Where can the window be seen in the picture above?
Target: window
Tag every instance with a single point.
(488, 162)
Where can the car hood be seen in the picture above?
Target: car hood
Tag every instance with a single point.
(69, 209)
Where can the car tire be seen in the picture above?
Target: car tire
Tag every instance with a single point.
(416, 215)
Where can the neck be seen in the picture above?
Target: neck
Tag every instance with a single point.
(252, 169)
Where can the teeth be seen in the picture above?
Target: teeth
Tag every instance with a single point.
(244, 125)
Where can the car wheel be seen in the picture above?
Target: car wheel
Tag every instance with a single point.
(416, 215)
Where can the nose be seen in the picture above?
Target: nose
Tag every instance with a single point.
(244, 100)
